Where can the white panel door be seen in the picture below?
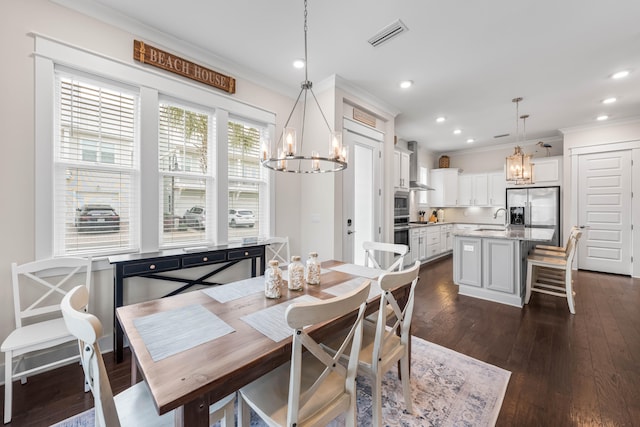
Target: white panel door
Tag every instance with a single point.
(604, 209)
(362, 205)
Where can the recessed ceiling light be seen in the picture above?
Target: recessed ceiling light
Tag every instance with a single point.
(609, 100)
(298, 63)
(620, 74)
(406, 84)
(470, 141)
(441, 119)
(457, 132)
(602, 118)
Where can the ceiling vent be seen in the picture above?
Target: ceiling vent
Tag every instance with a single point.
(501, 136)
(387, 33)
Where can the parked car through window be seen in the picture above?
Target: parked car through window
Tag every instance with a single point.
(97, 219)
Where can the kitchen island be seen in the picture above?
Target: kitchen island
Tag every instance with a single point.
(491, 263)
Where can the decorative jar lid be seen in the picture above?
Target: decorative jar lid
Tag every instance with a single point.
(273, 263)
(295, 258)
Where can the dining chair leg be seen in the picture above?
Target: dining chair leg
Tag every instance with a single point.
(377, 400)
(244, 415)
(406, 384)
(8, 385)
(529, 281)
(569, 290)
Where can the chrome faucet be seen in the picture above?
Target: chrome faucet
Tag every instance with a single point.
(506, 218)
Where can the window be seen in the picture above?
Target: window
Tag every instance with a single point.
(94, 166)
(248, 181)
(135, 163)
(185, 158)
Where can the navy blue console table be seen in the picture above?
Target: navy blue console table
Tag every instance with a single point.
(150, 264)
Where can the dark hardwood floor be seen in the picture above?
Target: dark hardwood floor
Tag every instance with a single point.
(567, 370)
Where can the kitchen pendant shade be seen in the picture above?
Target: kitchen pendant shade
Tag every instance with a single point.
(519, 169)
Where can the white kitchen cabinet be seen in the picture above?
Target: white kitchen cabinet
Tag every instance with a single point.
(414, 248)
(547, 170)
(433, 241)
(423, 244)
(446, 238)
(401, 170)
(473, 190)
(445, 183)
(497, 189)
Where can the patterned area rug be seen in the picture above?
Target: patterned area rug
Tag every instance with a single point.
(449, 389)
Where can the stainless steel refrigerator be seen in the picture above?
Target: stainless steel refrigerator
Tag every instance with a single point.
(536, 207)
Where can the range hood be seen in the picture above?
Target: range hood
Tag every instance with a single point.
(414, 171)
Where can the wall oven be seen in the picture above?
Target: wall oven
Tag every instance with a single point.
(401, 204)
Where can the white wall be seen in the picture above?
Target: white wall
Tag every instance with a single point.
(17, 20)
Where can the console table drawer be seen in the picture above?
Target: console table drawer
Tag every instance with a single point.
(151, 267)
(244, 253)
(203, 259)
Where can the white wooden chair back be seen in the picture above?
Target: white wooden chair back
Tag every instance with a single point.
(278, 248)
(87, 328)
(39, 286)
(371, 249)
(299, 315)
(401, 318)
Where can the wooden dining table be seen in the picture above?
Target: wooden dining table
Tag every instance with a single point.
(191, 380)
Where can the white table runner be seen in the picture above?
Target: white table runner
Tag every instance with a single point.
(359, 270)
(271, 322)
(343, 288)
(234, 290)
(172, 332)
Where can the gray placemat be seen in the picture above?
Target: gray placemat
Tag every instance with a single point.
(359, 270)
(234, 290)
(348, 286)
(271, 322)
(172, 332)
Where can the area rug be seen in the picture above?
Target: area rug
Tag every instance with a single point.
(449, 389)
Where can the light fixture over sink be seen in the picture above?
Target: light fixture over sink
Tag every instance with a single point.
(287, 155)
(519, 169)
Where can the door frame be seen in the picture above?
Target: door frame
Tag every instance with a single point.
(634, 147)
(375, 136)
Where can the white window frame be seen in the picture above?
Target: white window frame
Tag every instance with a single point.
(48, 55)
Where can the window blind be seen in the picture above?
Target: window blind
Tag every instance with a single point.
(95, 168)
(185, 164)
(248, 180)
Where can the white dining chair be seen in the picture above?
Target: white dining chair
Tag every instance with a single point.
(277, 248)
(134, 406)
(313, 388)
(382, 345)
(552, 274)
(38, 288)
(373, 249)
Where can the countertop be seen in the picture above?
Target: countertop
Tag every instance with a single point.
(415, 224)
(511, 233)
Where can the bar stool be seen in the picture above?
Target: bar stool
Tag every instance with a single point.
(551, 274)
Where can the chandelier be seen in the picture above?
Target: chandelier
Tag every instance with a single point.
(519, 167)
(287, 156)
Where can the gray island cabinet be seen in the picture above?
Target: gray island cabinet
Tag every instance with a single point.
(492, 264)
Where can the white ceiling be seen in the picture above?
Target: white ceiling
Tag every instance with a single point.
(468, 59)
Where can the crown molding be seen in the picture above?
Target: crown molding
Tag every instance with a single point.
(601, 125)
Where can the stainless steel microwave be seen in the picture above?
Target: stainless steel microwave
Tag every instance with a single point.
(401, 204)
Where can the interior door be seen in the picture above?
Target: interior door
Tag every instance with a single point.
(604, 210)
(362, 203)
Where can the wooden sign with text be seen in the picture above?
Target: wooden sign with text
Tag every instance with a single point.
(159, 58)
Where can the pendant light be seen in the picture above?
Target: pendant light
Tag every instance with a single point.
(519, 168)
(289, 156)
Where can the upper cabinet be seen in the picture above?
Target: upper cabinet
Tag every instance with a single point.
(445, 183)
(547, 170)
(497, 189)
(473, 190)
(401, 170)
